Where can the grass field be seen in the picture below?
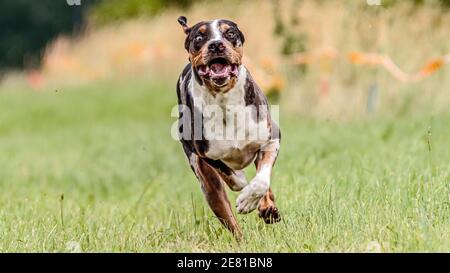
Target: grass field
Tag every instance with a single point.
(378, 183)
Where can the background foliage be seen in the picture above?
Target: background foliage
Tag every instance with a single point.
(27, 26)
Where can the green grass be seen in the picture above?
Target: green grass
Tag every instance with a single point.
(127, 186)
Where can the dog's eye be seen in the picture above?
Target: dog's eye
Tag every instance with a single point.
(198, 38)
(231, 34)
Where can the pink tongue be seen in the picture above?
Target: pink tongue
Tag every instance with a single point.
(218, 67)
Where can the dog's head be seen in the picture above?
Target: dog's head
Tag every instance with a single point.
(215, 52)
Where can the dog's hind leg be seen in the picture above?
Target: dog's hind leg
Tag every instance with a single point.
(235, 179)
(215, 194)
(267, 209)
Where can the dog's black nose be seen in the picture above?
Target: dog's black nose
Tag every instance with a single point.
(216, 47)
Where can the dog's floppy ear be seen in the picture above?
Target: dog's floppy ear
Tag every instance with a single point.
(183, 22)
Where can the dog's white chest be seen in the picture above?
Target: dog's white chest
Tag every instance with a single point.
(233, 132)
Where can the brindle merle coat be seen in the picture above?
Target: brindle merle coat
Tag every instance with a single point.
(215, 76)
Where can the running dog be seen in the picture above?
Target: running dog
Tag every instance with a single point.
(214, 90)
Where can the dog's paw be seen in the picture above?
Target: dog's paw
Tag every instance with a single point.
(249, 199)
(269, 214)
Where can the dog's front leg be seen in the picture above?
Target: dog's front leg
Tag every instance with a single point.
(252, 194)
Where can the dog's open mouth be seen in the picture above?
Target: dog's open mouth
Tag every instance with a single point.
(219, 70)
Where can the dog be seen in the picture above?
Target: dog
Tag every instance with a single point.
(215, 80)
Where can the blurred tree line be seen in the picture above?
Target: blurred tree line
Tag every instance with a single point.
(295, 42)
(442, 3)
(26, 26)
(112, 10)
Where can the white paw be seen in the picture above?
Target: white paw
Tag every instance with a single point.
(250, 196)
